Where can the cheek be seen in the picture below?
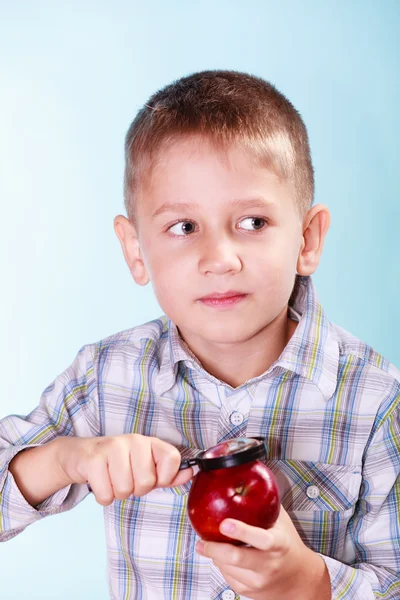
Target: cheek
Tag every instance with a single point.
(283, 254)
(274, 269)
(272, 265)
(170, 272)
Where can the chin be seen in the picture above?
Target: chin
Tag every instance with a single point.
(227, 333)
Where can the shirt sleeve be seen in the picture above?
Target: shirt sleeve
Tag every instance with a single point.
(375, 526)
(68, 407)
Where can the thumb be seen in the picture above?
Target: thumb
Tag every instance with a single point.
(182, 477)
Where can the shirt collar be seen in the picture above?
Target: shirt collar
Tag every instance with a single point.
(173, 352)
(312, 351)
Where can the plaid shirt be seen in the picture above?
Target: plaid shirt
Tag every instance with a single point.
(329, 408)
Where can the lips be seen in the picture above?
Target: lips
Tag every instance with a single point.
(223, 295)
(223, 299)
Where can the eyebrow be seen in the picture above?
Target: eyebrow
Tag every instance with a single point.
(237, 203)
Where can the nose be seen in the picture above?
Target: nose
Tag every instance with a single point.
(219, 257)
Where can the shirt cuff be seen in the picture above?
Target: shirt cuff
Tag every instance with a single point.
(347, 583)
(16, 512)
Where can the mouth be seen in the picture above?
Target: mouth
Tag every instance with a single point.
(223, 299)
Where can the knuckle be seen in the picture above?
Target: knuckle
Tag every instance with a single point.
(274, 569)
(259, 582)
(104, 446)
(174, 455)
(236, 557)
(145, 484)
(115, 443)
(104, 500)
(165, 475)
(105, 441)
(136, 439)
(286, 545)
(98, 459)
(171, 455)
(266, 542)
(150, 480)
(122, 492)
(164, 480)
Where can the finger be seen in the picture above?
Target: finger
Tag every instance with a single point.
(120, 471)
(167, 460)
(142, 466)
(244, 581)
(236, 586)
(245, 569)
(182, 477)
(99, 480)
(274, 539)
(230, 555)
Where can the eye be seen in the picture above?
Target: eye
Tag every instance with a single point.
(252, 223)
(182, 228)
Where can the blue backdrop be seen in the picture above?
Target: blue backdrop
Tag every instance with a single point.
(72, 77)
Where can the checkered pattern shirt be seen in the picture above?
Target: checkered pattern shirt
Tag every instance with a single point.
(328, 408)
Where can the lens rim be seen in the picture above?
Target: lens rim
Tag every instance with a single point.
(241, 457)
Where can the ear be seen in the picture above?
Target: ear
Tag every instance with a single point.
(127, 235)
(315, 227)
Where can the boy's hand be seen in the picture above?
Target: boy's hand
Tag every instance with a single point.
(117, 467)
(278, 565)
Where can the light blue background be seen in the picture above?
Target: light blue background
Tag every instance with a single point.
(72, 77)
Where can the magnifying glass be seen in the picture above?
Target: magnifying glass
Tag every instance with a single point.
(230, 453)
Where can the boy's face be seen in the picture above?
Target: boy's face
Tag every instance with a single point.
(237, 231)
(213, 222)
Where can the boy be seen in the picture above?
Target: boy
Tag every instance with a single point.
(218, 192)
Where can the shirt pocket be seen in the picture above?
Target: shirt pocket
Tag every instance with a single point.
(320, 498)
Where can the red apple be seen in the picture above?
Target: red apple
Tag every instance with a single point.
(248, 492)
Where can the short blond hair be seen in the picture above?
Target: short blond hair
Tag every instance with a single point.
(226, 108)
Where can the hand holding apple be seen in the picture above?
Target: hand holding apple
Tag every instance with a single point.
(277, 565)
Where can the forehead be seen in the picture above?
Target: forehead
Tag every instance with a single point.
(195, 170)
(198, 153)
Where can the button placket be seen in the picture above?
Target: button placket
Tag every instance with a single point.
(226, 429)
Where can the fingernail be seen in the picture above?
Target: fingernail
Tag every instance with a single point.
(200, 547)
(227, 527)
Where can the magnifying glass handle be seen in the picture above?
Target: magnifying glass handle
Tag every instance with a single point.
(190, 462)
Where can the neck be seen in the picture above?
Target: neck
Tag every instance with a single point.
(236, 363)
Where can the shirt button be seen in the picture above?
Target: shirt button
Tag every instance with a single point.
(312, 491)
(236, 418)
(228, 595)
